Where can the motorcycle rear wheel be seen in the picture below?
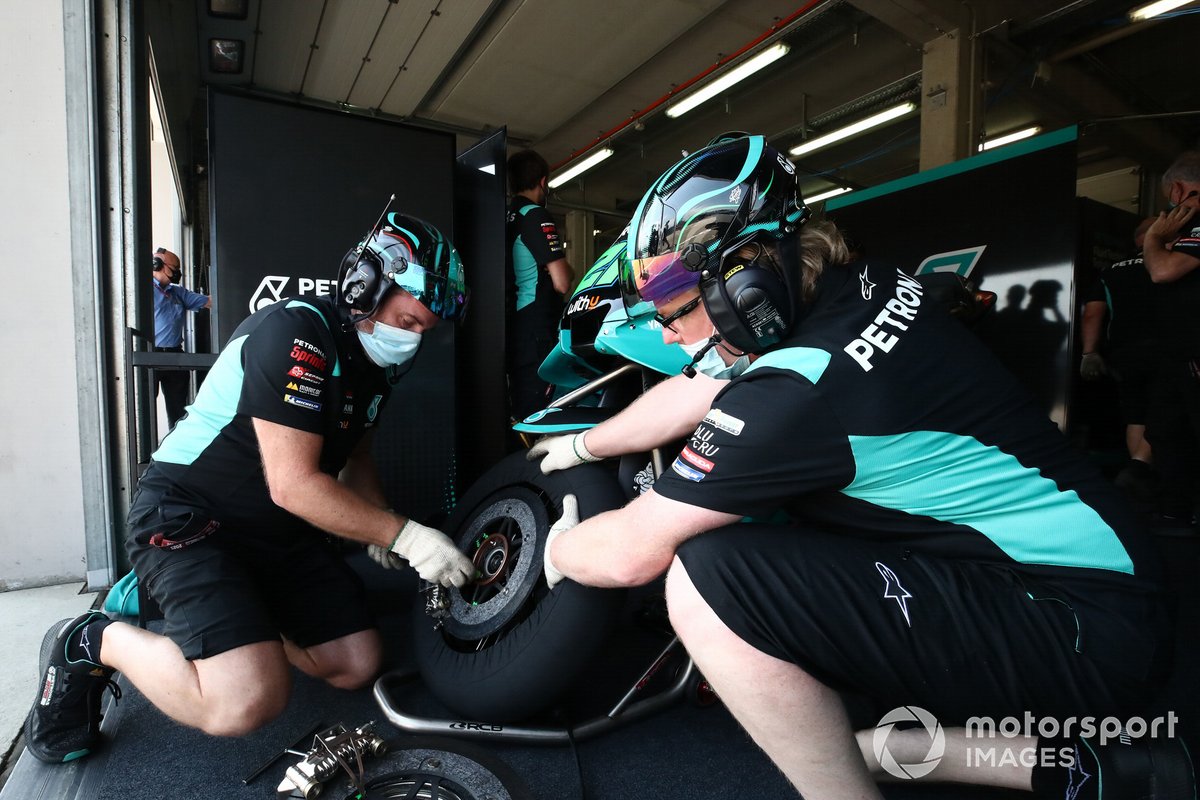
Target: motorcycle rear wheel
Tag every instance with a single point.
(510, 646)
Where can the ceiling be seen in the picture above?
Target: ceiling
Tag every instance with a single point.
(566, 76)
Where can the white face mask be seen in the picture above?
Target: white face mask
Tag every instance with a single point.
(711, 363)
(389, 347)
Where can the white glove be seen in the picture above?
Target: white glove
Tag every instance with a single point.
(1092, 367)
(385, 558)
(568, 520)
(432, 554)
(561, 452)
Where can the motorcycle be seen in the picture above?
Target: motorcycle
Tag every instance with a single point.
(505, 647)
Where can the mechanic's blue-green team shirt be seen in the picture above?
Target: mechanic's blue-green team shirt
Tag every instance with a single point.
(292, 364)
(881, 417)
(533, 242)
(169, 304)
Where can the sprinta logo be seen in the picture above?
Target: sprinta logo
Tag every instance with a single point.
(908, 715)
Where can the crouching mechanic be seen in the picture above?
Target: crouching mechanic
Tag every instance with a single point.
(947, 549)
(228, 529)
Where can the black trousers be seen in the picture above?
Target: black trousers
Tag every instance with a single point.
(173, 383)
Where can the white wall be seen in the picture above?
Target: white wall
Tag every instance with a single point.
(41, 503)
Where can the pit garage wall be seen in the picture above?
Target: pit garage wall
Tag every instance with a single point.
(41, 477)
(292, 189)
(1007, 220)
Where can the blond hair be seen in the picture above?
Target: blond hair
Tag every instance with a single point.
(821, 244)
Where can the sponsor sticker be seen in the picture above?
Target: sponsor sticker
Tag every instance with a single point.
(724, 422)
(304, 375)
(697, 461)
(300, 401)
(305, 357)
(684, 471)
(312, 348)
(348, 408)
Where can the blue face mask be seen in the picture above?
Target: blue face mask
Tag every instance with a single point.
(711, 363)
(390, 347)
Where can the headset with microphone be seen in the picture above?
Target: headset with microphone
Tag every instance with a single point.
(749, 300)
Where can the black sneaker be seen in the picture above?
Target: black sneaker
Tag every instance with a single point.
(64, 723)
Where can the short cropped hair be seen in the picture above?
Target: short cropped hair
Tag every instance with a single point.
(1184, 168)
(526, 170)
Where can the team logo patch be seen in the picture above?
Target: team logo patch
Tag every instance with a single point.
(736, 194)
(312, 348)
(697, 461)
(300, 401)
(373, 409)
(304, 375)
(684, 471)
(305, 357)
(724, 422)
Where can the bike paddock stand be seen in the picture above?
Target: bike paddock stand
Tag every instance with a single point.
(389, 687)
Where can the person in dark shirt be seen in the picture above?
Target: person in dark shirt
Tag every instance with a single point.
(229, 531)
(1172, 253)
(947, 554)
(539, 277)
(1129, 350)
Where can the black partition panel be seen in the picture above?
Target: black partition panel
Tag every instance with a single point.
(1006, 220)
(291, 190)
(479, 209)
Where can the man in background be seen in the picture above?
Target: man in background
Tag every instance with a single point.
(538, 278)
(171, 300)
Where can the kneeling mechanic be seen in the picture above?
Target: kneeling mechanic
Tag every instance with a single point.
(229, 528)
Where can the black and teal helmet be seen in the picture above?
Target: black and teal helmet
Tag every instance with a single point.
(405, 252)
(736, 190)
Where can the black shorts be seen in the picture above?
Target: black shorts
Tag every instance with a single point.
(957, 638)
(237, 585)
(1136, 368)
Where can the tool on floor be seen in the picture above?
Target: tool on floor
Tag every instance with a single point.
(334, 751)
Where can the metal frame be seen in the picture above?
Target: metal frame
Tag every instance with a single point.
(388, 688)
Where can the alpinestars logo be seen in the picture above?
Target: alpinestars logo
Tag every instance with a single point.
(1076, 778)
(892, 589)
(867, 285)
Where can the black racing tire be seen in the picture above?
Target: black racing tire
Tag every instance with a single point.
(508, 651)
(434, 768)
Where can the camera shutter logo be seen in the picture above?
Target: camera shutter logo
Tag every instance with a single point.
(937, 742)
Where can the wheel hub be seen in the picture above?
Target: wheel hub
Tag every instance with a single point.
(491, 558)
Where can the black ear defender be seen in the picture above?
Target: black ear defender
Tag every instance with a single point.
(750, 304)
(157, 263)
(360, 280)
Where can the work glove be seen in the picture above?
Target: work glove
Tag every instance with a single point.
(568, 520)
(385, 558)
(1092, 367)
(561, 452)
(430, 552)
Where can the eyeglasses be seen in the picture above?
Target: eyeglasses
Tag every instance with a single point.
(679, 313)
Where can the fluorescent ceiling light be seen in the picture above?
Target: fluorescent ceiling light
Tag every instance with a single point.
(1154, 9)
(1009, 138)
(890, 114)
(816, 198)
(580, 167)
(740, 73)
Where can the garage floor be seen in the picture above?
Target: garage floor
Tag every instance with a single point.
(685, 752)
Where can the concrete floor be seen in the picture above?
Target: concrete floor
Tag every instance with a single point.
(25, 616)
